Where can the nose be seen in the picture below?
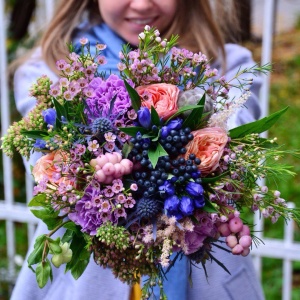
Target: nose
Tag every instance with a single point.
(141, 5)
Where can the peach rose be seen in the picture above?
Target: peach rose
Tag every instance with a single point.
(162, 96)
(208, 145)
(50, 165)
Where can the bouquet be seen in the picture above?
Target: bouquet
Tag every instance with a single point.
(141, 165)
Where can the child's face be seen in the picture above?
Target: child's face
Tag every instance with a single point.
(129, 17)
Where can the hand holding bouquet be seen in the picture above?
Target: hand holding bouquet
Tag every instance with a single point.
(139, 166)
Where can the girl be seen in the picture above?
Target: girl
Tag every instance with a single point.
(202, 25)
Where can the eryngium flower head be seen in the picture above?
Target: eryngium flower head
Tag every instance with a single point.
(101, 125)
(148, 208)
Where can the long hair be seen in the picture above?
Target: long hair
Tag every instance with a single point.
(203, 25)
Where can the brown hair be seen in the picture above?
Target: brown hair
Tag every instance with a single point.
(203, 25)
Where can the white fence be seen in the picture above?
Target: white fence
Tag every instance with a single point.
(12, 212)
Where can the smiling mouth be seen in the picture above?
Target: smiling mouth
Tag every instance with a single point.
(143, 22)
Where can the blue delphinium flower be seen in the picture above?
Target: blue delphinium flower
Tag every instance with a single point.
(41, 144)
(172, 125)
(196, 191)
(49, 116)
(167, 188)
(186, 205)
(144, 117)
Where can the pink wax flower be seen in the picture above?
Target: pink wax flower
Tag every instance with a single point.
(208, 145)
(162, 96)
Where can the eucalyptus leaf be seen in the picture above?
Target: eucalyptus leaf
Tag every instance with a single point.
(256, 126)
(134, 96)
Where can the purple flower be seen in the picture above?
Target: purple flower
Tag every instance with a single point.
(49, 116)
(186, 206)
(172, 203)
(174, 124)
(144, 117)
(39, 144)
(164, 131)
(194, 189)
(194, 240)
(167, 188)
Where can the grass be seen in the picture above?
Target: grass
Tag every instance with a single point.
(285, 91)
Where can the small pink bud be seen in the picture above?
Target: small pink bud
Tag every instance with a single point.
(224, 229)
(93, 162)
(108, 179)
(127, 164)
(118, 155)
(111, 158)
(119, 170)
(235, 225)
(101, 160)
(231, 241)
(246, 251)
(245, 231)
(245, 241)
(237, 249)
(109, 169)
(100, 176)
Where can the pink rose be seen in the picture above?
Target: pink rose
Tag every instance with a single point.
(162, 96)
(208, 145)
(50, 166)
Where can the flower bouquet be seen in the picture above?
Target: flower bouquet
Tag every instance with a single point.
(141, 165)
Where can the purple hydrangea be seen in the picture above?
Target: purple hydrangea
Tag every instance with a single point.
(104, 92)
(87, 213)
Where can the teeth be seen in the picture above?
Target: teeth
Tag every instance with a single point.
(141, 22)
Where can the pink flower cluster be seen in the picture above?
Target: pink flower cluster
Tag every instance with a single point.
(237, 235)
(110, 166)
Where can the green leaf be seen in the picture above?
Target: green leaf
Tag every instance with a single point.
(209, 207)
(132, 131)
(43, 273)
(181, 110)
(54, 246)
(35, 134)
(134, 96)
(38, 200)
(257, 126)
(213, 179)
(80, 256)
(36, 255)
(68, 236)
(155, 154)
(81, 264)
(195, 116)
(126, 149)
(60, 110)
(155, 119)
(48, 216)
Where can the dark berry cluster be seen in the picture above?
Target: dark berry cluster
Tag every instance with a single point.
(185, 169)
(175, 140)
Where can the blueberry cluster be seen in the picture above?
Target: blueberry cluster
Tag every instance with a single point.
(175, 140)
